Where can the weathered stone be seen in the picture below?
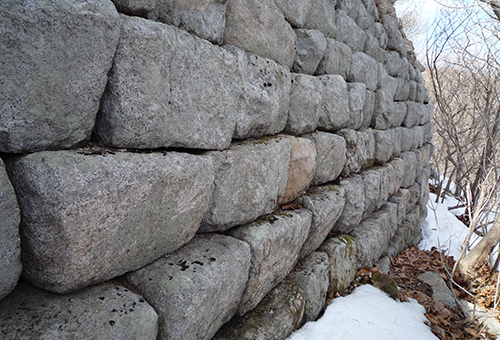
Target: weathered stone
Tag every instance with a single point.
(383, 113)
(400, 110)
(88, 218)
(330, 156)
(403, 91)
(326, 204)
(399, 166)
(364, 19)
(348, 32)
(321, 17)
(414, 114)
(380, 33)
(429, 115)
(418, 135)
(260, 27)
(422, 95)
(106, 311)
(368, 109)
(168, 88)
(354, 204)
(249, 179)
(371, 8)
(313, 277)
(410, 160)
(205, 18)
(342, 256)
(350, 7)
(335, 112)
(337, 59)
(372, 47)
(396, 141)
(412, 90)
(428, 132)
(295, 11)
(263, 93)
(357, 98)
(276, 242)
(55, 61)
(441, 292)
(301, 169)
(371, 182)
(400, 198)
(384, 147)
(395, 65)
(10, 244)
(394, 38)
(407, 138)
(372, 238)
(311, 49)
(305, 104)
(276, 317)
(386, 82)
(363, 69)
(387, 183)
(360, 150)
(134, 7)
(198, 288)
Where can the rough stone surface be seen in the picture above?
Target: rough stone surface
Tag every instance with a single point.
(348, 32)
(399, 166)
(384, 112)
(250, 177)
(357, 98)
(441, 292)
(301, 169)
(276, 317)
(168, 88)
(395, 65)
(326, 204)
(394, 38)
(410, 160)
(396, 141)
(295, 11)
(334, 114)
(372, 238)
(10, 244)
(363, 69)
(89, 218)
(305, 104)
(55, 61)
(368, 108)
(260, 27)
(342, 256)
(337, 59)
(372, 182)
(198, 288)
(313, 277)
(276, 242)
(311, 48)
(205, 18)
(360, 150)
(330, 156)
(354, 204)
(263, 95)
(407, 139)
(384, 147)
(106, 311)
(321, 17)
(135, 7)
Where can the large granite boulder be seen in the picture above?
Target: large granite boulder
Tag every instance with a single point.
(337, 59)
(263, 95)
(196, 289)
(276, 316)
(276, 241)
(10, 244)
(168, 88)
(311, 48)
(250, 178)
(89, 218)
(326, 204)
(360, 150)
(259, 26)
(305, 104)
(301, 169)
(363, 69)
(106, 311)
(348, 32)
(205, 18)
(334, 114)
(342, 258)
(55, 60)
(330, 156)
(321, 17)
(312, 275)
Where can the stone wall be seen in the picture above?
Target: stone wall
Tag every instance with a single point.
(201, 169)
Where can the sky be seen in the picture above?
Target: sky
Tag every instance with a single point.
(369, 313)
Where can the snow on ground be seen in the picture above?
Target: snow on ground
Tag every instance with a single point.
(368, 313)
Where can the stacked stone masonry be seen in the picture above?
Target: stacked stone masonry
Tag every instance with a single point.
(201, 169)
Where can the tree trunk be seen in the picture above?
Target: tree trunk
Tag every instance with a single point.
(478, 255)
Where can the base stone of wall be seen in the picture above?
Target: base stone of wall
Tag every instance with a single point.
(342, 256)
(87, 218)
(198, 288)
(276, 316)
(107, 311)
(10, 244)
